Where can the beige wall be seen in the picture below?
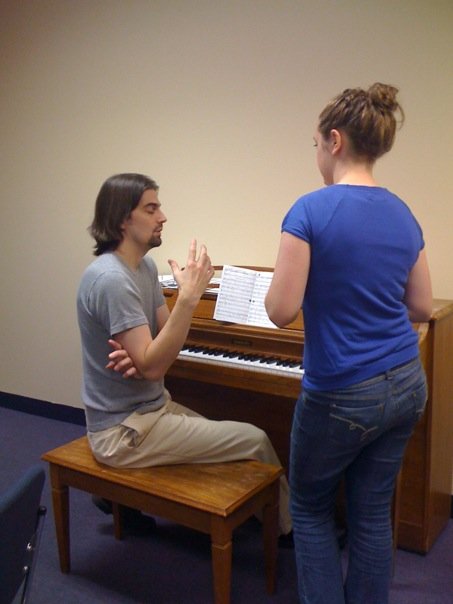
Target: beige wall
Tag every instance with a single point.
(216, 100)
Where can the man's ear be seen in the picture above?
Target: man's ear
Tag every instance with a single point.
(124, 224)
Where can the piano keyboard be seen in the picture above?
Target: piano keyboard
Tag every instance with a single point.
(239, 360)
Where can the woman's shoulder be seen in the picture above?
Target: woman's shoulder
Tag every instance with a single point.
(319, 198)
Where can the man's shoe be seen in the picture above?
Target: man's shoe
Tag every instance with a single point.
(286, 541)
(133, 520)
(102, 504)
(342, 537)
(136, 523)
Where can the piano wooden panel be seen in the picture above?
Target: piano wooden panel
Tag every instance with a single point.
(428, 463)
(268, 401)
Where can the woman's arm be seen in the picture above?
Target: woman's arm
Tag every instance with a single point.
(418, 297)
(286, 293)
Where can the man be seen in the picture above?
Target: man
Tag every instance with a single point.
(134, 422)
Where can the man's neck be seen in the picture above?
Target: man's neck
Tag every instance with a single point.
(129, 254)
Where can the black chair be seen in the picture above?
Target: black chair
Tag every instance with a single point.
(21, 521)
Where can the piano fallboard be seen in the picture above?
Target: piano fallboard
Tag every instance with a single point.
(284, 344)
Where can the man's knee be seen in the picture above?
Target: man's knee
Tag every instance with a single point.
(261, 443)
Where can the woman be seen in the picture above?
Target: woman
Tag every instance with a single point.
(352, 255)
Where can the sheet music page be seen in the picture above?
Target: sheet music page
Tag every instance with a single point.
(241, 297)
(257, 311)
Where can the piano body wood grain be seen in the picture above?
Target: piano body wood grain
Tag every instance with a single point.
(266, 400)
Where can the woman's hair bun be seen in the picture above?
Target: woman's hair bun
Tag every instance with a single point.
(383, 96)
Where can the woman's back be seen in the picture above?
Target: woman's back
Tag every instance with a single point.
(364, 242)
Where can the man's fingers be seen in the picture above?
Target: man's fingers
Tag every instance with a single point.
(114, 344)
(130, 372)
(174, 266)
(193, 250)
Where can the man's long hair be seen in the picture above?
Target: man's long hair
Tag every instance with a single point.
(117, 198)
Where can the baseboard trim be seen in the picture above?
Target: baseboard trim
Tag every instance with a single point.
(64, 413)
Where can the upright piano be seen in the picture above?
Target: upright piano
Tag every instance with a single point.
(259, 380)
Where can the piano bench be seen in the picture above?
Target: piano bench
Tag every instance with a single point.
(212, 498)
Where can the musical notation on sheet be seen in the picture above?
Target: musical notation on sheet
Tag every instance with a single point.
(241, 296)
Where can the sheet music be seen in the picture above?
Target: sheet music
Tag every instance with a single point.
(241, 296)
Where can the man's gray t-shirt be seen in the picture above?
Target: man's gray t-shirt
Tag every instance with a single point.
(113, 298)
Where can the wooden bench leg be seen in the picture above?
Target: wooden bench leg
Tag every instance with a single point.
(270, 535)
(60, 502)
(117, 520)
(221, 551)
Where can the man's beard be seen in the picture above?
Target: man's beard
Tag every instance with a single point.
(155, 241)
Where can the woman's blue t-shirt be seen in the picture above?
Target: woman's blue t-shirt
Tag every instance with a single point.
(364, 242)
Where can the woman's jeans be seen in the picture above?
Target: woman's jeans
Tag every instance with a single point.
(359, 433)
